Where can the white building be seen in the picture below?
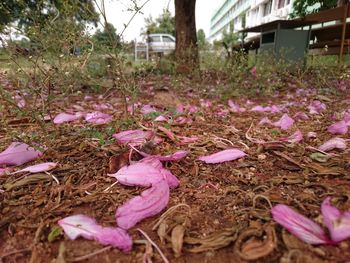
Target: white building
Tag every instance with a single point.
(247, 13)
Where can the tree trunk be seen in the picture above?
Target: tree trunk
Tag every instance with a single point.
(186, 36)
(341, 2)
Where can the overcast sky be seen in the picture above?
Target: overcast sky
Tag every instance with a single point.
(118, 14)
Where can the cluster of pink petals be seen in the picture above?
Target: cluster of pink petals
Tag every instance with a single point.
(235, 107)
(285, 122)
(294, 138)
(316, 107)
(223, 156)
(133, 137)
(98, 117)
(67, 117)
(18, 153)
(149, 172)
(87, 227)
(334, 143)
(337, 222)
(206, 103)
(272, 109)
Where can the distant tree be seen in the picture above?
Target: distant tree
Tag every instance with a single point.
(305, 7)
(229, 40)
(165, 23)
(186, 52)
(201, 39)
(27, 13)
(107, 38)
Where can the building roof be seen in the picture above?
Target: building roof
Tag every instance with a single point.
(283, 24)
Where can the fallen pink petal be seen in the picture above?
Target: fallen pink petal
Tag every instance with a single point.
(316, 107)
(18, 153)
(66, 117)
(285, 122)
(38, 168)
(98, 117)
(334, 143)
(264, 121)
(337, 222)
(147, 109)
(294, 138)
(299, 225)
(150, 203)
(134, 137)
(340, 128)
(138, 174)
(223, 156)
(87, 227)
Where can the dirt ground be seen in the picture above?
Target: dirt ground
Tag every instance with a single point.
(224, 208)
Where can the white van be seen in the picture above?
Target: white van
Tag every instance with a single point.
(163, 43)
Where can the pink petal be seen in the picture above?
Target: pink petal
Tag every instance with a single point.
(171, 179)
(316, 107)
(338, 223)
(138, 174)
(285, 122)
(161, 118)
(134, 137)
(185, 140)
(334, 143)
(339, 127)
(223, 156)
(151, 202)
(264, 120)
(146, 109)
(294, 138)
(18, 153)
(258, 108)
(234, 107)
(300, 226)
(300, 116)
(66, 117)
(98, 117)
(180, 109)
(37, 168)
(81, 225)
(183, 120)
(168, 133)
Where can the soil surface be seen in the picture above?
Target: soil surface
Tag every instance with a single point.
(223, 210)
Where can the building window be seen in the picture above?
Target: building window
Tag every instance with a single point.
(267, 7)
(280, 4)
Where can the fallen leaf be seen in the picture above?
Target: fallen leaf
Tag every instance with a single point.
(177, 237)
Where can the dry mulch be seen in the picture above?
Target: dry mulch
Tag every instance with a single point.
(223, 210)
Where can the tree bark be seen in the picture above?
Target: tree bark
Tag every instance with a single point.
(186, 52)
(341, 2)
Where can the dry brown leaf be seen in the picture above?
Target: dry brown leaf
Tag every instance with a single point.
(161, 231)
(248, 247)
(177, 238)
(117, 162)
